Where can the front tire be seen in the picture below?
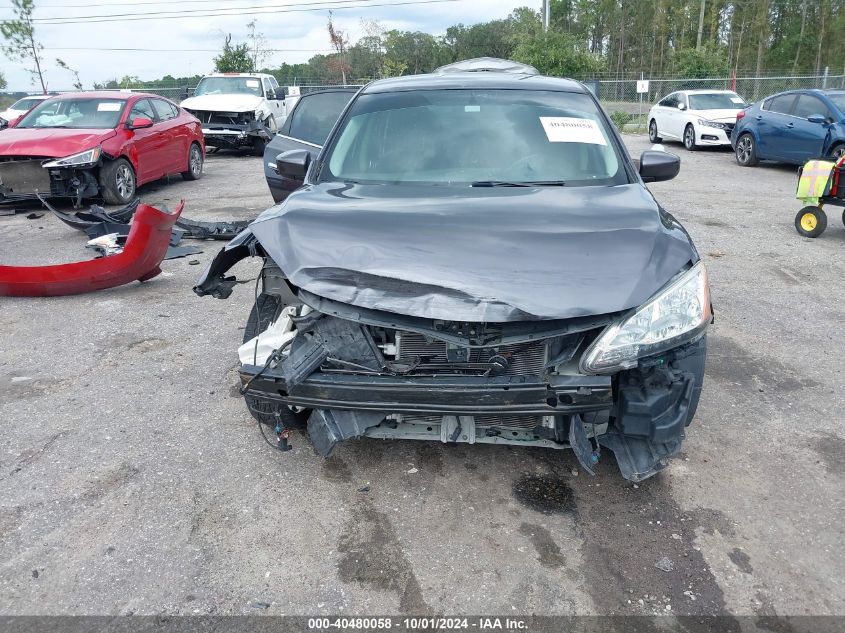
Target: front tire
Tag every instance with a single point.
(259, 143)
(264, 312)
(118, 182)
(652, 132)
(689, 137)
(746, 151)
(811, 222)
(838, 151)
(195, 163)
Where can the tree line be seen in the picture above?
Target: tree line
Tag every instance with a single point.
(585, 38)
(610, 38)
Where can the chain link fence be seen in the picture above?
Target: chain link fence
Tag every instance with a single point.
(619, 96)
(629, 108)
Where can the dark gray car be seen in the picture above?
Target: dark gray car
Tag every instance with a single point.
(305, 129)
(474, 257)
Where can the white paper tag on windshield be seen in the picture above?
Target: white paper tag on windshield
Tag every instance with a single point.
(564, 129)
(252, 83)
(737, 100)
(108, 106)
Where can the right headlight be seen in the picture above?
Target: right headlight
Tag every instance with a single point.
(678, 313)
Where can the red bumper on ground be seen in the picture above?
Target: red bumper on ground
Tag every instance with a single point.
(146, 246)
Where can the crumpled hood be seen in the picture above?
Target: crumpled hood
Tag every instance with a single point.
(52, 142)
(476, 254)
(223, 103)
(723, 116)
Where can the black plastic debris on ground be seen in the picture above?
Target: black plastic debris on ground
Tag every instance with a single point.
(211, 230)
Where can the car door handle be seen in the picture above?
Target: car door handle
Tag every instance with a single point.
(759, 117)
(790, 125)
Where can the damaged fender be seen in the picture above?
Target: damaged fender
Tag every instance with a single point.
(146, 245)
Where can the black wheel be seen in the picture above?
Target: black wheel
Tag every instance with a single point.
(689, 137)
(838, 151)
(652, 132)
(264, 312)
(117, 181)
(811, 222)
(258, 145)
(843, 217)
(195, 160)
(746, 151)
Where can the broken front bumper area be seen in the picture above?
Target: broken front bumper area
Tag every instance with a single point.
(27, 180)
(235, 135)
(639, 414)
(146, 245)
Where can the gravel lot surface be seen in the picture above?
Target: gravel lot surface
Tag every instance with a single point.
(133, 480)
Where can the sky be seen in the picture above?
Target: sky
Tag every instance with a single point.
(193, 40)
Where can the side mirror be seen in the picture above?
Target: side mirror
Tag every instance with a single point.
(184, 94)
(656, 166)
(3, 124)
(293, 163)
(139, 123)
(681, 106)
(817, 118)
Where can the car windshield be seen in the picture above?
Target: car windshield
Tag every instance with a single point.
(81, 113)
(228, 85)
(492, 137)
(25, 104)
(838, 99)
(716, 101)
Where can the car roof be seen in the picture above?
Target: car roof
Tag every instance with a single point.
(106, 94)
(474, 79)
(237, 75)
(698, 91)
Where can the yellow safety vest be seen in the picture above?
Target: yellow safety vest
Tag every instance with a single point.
(814, 181)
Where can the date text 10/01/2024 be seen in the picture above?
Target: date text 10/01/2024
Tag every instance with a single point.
(421, 623)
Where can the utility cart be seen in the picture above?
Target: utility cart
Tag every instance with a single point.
(820, 182)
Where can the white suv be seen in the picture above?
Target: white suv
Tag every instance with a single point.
(238, 110)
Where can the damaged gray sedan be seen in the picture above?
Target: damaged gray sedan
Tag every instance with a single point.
(473, 257)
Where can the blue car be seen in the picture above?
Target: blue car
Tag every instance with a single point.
(791, 127)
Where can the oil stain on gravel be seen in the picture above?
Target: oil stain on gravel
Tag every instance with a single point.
(831, 448)
(548, 552)
(741, 560)
(371, 555)
(334, 469)
(630, 534)
(544, 493)
(729, 362)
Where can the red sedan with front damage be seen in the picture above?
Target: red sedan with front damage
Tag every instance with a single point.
(98, 144)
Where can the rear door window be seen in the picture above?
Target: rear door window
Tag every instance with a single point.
(315, 115)
(782, 104)
(671, 101)
(164, 110)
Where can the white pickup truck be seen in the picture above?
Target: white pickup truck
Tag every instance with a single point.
(238, 110)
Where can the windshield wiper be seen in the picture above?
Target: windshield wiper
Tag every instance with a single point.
(516, 183)
(498, 183)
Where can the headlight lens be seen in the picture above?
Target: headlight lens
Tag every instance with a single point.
(715, 124)
(83, 159)
(679, 313)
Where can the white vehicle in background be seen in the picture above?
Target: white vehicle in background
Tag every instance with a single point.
(22, 106)
(695, 117)
(238, 110)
